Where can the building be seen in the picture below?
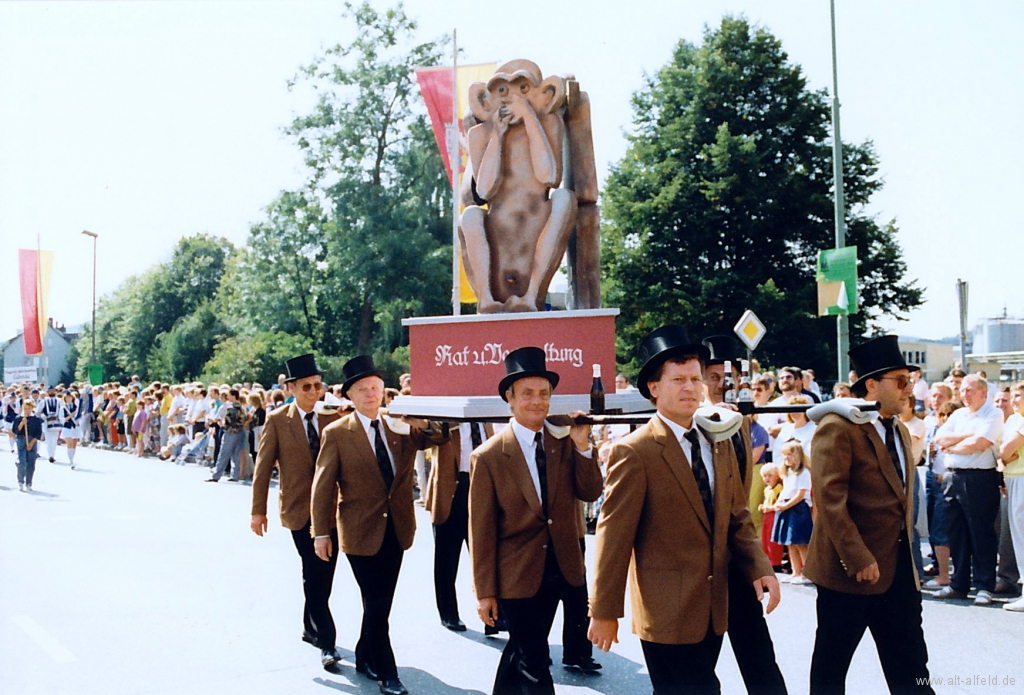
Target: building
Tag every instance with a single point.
(52, 367)
(1002, 334)
(934, 358)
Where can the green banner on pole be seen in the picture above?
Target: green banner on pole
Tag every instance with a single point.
(837, 281)
(95, 374)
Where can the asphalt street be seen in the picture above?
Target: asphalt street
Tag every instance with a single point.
(135, 576)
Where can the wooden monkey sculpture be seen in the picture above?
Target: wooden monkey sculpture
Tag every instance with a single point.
(512, 248)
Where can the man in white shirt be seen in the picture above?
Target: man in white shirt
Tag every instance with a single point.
(970, 440)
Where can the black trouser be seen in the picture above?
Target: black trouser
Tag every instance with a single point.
(750, 639)
(377, 576)
(973, 497)
(575, 619)
(317, 581)
(684, 669)
(218, 434)
(523, 668)
(448, 540)
(894, 618)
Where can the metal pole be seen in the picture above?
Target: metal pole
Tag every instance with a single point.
(961, 296)
(842, 321)
(455, 160)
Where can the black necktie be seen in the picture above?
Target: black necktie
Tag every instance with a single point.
(541, 460)
(383, 460)
(700, 474)
(313, 437)
(474, 434)
(890, 443)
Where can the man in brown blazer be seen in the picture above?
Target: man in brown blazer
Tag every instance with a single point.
(364, 475)
(859, 556)
(674, 518)
(447, 500)
(524, 487)
(291, 442)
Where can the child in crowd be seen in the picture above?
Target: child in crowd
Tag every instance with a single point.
(793, 523)
(139, 423)
(772, 490)
(176, 441)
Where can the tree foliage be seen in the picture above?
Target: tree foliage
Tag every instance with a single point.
(724, 199)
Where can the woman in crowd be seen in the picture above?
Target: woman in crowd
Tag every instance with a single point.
(259, 418)
(797, 427)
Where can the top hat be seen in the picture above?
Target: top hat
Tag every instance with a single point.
(660, 345)
(359, 367)
(300, 367)
(723, 348)
(876, 357)
(522, 363)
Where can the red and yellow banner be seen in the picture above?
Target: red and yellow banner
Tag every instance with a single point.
(36, 268)
(436, 85)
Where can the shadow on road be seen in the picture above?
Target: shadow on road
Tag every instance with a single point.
(416, 680)
(618, 675)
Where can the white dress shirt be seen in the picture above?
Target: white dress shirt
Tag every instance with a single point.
(466, 443)
(525, 437)
(707, 455)
(365, 422)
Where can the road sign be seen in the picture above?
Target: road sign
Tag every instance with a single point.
(750, 329)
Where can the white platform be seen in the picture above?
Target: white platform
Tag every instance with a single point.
(466, 407)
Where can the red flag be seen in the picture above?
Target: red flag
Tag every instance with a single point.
(29, 261)
(436, 85)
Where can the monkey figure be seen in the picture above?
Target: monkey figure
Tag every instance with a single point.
(512, 249)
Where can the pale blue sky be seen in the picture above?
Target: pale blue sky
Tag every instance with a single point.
(147, 121)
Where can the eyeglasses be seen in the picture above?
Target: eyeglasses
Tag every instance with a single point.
(759, 388)
(318, 386)
(902, 381)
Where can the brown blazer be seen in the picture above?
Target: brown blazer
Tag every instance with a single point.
(347, 470)
(653, 523)
(284, 444)
(508, 532)
(862, 508)
(444, 475)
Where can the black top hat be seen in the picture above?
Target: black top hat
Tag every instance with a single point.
(723, 347)
(660, 345)
(876, 357)
(522, 363)
(359, 367)
(300, 367)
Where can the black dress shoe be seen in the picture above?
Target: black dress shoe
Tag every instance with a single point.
(393, 686)
(329, 657)
(583, 663)
(308, 638)
(454, 624)
(367, 670)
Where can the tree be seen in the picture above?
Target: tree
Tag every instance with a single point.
(724, 199)
(383, 245)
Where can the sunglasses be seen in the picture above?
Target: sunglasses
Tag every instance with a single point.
(901, 381)
(318, 386)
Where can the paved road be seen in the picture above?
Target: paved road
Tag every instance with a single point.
(133, 576)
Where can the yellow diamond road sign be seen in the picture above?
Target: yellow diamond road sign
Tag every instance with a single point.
(750, 329)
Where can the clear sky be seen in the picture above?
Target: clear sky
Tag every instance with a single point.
(148, 121)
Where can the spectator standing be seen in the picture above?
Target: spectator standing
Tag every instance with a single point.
(969, 440)
(798, 427)
(165, 409)
(72, 425)
(921, 389)
(1007, 575)
(792, 526)
(234, 438)
(1012, 455)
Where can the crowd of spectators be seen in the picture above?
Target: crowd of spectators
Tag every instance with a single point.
(967, 438)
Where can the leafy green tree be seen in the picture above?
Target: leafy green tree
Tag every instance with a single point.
(724, 199)
(258, 357)
(374, 165)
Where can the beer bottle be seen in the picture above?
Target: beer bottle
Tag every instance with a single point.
(597, 393)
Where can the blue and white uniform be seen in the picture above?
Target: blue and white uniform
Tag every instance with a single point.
(51, 412)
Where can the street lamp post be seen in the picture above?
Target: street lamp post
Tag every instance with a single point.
(842, 321)
(94, 235)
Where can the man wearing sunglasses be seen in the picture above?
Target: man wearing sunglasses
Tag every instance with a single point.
(291, 441)
(860, 552)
